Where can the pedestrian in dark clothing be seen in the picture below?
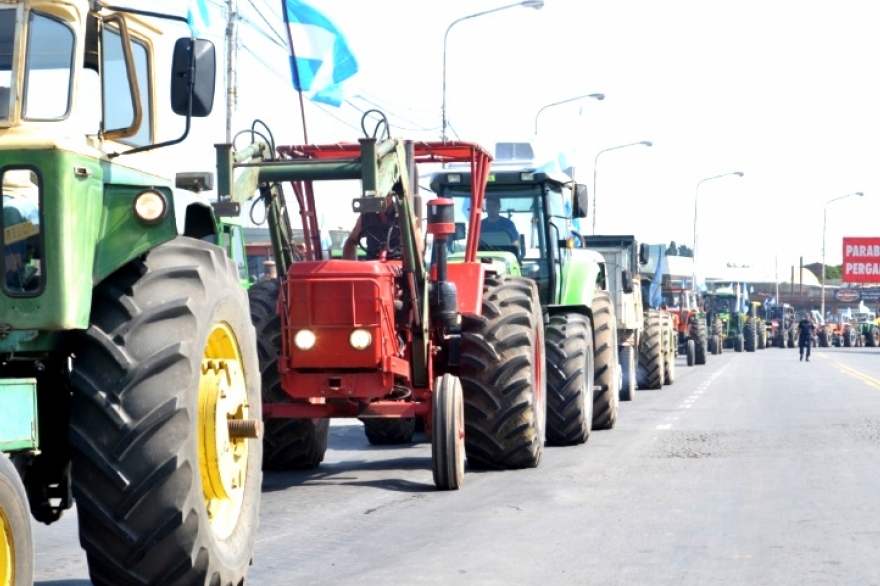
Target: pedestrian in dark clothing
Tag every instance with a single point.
(805, 335)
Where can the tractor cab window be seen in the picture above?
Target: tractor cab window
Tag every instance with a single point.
(120, 113)
(7, 49)
(21, 237)
(48, 68)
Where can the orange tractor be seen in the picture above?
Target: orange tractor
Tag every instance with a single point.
(390, 339)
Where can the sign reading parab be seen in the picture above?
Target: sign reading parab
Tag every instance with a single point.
(861, 260)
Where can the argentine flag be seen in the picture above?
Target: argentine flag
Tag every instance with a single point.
(197, 17)
(320, 58)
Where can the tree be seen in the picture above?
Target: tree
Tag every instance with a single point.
(833, 272)
(672, 249)
(685, 251)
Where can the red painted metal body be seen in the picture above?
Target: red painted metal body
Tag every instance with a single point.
(332, 298)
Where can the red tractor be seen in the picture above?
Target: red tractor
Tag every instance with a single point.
(390, 340)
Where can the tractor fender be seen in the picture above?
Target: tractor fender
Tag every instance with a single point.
(580, 277)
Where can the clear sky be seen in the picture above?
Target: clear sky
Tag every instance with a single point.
(784, 91)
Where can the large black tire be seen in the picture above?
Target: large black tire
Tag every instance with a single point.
(627, 359)
(607, 375)
(669, 348)
(715, 344)
(288, 444)
(872, 338)
(849, 338)
(570, 376)
(502, 376)
(697, 333)
(164, 494)
(824, 336)
(762, 336)
(386, 431)
(16, 536)
(738, 343)
(750, 337)
(651, 374)
(691, 352)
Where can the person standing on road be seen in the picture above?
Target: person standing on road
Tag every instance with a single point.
(805, 335)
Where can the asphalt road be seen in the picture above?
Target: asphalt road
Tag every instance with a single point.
(753, 469)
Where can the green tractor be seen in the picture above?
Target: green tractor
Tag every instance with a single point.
(127, 356)
(537, 241)
(727, 322)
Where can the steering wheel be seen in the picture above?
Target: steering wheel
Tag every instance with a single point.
(380, 238)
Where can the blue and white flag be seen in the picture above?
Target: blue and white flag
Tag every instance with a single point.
(197, 17)
(655, 292)
(320, 59)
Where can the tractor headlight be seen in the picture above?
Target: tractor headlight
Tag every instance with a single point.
(150, 206)
(360, 339)
(304, 340)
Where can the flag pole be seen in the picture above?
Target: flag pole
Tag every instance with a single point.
(297, 84)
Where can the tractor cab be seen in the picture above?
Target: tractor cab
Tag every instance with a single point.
(525, 225)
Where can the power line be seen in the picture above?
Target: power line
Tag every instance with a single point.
(268, 24)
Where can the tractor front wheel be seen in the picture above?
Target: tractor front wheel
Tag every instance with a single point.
(570, 377)
(651, 362)
(691, 352)
(16, 537)
(447, 433)
(626, 358)
(606, 382)
(502, 376)
(165, 415)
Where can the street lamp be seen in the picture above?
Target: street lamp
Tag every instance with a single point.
(646, 143)
(824, 223)
(594, 96)
(536, 4)
(696, 197)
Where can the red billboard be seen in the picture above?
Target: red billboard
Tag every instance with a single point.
(861, 260)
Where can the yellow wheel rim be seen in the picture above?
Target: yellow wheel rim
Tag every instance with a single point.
(7, 550)
(223, 405)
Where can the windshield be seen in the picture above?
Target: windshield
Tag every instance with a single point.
(48, 66)
(721, 304)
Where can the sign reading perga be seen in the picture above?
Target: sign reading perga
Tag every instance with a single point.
(861, 260)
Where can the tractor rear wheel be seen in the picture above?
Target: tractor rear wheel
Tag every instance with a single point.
(824, 336)
(650, 373)
(750, 337)
(288, 444)
(570, 376)
(502, 376)
(872, 339)
(626, 358)
(166, 394)
(16, 536)
(691, 353)
(697, 333)
(607, 375)
(447, 433)
(388, 431)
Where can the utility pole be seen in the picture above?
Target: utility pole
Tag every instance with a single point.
(231, 78)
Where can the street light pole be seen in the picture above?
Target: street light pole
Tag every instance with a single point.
(646, 143)
(594, 96)
(824, 224)
(697, 197)
(536, 4)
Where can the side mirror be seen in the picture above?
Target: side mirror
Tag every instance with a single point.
(626, 281)
(193, 74)
(581, 201)
(644, 253)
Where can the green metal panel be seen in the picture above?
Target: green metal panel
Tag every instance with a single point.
(579, 278)
(18, 414)
(89, 231)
